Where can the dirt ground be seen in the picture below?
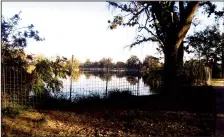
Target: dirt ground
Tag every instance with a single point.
(107, 123)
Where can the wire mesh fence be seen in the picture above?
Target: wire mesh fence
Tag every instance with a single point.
(16, 85)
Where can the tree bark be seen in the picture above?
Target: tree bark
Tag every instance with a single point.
(180, 55)
(174, 40)
(170, 69)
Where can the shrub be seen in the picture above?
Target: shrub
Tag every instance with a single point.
(10, 112)
(117, 94)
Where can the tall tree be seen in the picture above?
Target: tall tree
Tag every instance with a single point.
(165, 22)
(120, 64)
(133, 62)
(105, 62)
(14, 39)
(207, 45)
(95, 64)
(43, 72)
(87, 64)
(150, 63)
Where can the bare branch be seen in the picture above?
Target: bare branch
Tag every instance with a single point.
(136, 15)
(115, 4)
(141, 41)
(155, 36)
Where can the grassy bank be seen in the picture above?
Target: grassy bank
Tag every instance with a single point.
(120, 114)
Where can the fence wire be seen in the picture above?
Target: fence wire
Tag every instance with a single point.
(16, 85)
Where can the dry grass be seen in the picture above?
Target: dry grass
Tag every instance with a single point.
(119, 115)
(106, 123)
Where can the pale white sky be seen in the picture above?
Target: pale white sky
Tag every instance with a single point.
(79, 28)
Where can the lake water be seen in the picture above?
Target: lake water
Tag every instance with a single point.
(82, 83)
(85, 83)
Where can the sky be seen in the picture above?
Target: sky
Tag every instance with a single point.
(81, 29)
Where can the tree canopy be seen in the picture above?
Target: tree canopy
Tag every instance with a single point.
(164, 22)
(208, 47)
(133, 62)
(155, 20)
(207, 44)
(14, 39)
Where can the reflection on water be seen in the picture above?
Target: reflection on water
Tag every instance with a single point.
(85, 83)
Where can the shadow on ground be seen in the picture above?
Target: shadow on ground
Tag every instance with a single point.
(194, 99)
(192, 112)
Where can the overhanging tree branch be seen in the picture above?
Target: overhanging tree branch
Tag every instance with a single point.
(186, 23)
(142, 40)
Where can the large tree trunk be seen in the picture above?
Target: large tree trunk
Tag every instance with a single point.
(180, 56)
(173, 43)
(170, 69)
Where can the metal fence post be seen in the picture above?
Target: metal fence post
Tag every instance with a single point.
(138, 85)
(107, 75)
(71, 69)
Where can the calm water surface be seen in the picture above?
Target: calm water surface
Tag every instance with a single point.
(85, 83)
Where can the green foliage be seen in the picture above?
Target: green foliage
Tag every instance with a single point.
(55, 84)
(43, 70)
(87, 63)
(118, 94)
(133, 62)
(76, 75)
(150, 63)
(155, 20)
(10, 112)
(92, 98)
(12, 36)
(14, 39)
(45, 73)
(75, 64)
(207, 44)
(58, 69)
(192, 73)
(164, 22)
(48, 73)
(153, 79)
(105, 62)
(120, 64)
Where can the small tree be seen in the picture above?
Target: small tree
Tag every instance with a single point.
(87, 64)
(150, 63)
(133, 62)
(120, 64)
(105, 62)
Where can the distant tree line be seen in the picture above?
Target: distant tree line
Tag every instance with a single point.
(133, 62)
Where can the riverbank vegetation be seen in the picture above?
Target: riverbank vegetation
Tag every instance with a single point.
(184, 106)
(119, 114)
